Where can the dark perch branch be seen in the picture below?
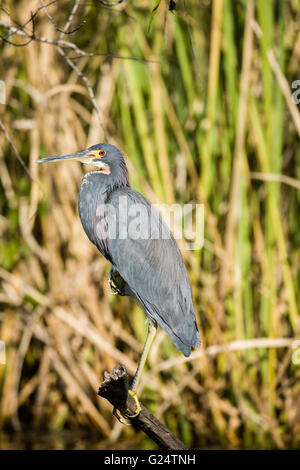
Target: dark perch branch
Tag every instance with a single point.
(115, 389)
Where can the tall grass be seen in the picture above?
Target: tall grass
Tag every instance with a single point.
(205, 118)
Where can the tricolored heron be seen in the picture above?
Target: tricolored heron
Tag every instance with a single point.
(146, 261)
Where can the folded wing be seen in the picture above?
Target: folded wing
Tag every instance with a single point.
(146, 255)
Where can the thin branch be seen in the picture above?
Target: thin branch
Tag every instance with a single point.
(70, 18)
(115, 389)
(288, 180)
(62, 31)
(19, 158)
(78, 72)
(59, 42)
(32, 17)
(88, 86)
(239, 345)
(70, 45)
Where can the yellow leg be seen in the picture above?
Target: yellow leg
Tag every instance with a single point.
(137, 376)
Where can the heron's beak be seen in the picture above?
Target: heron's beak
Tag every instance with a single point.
(85, 157)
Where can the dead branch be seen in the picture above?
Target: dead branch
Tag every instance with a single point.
(115, 389)
(67, 45)
(2, 128)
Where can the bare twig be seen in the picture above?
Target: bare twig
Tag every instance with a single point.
(69, 45)
(239, 345)
(30, 20)
(88, 86)
(62, 31)
(288, 180)
(20, 32)
(19, 158)
(115, 389)
(76, 69)
(70, 18)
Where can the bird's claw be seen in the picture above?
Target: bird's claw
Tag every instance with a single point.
(116, 283)
(120, 417)
(123, 419)
(138, 406)
(113, 287)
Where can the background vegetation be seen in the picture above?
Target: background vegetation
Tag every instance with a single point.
(203, 108)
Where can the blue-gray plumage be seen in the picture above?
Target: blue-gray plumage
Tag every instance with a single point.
(146, 261)
(153, 268)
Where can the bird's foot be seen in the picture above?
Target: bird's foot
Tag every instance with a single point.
(138, 406)
(123, 419)
(113, 286)
(115, 282)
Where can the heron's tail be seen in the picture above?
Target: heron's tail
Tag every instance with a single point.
(184, 336)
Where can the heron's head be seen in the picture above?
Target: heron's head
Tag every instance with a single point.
(107, 158)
